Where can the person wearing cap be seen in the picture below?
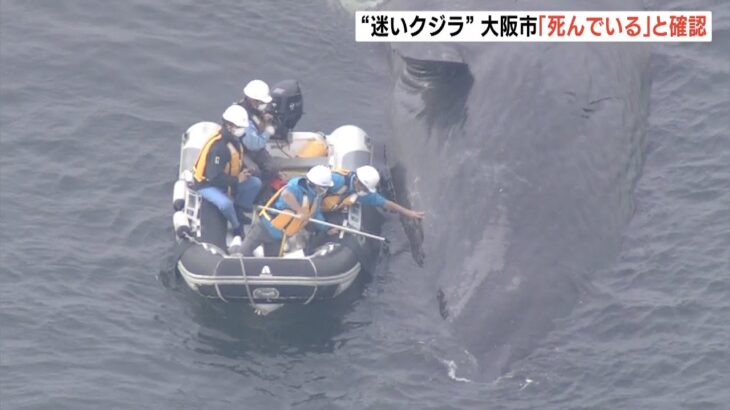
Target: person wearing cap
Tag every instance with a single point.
(219, 173)
(256, 99)
(361, 186)
(300, 196)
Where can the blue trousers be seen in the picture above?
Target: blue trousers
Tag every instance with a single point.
(245, 194)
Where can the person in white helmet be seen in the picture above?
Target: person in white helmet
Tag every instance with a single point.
(301, 195)
(361, 186)
(256, 99)
(219, 171)
(349, 187)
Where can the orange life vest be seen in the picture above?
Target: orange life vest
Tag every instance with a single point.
(286, 222)
(340, 199)
(233, 167)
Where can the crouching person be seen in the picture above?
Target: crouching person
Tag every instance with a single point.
(361, 186)
(349, 187)
(301, 196)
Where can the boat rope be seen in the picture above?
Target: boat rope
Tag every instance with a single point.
(314, 292)
(217, 289)
(215, 250)
(245, 282)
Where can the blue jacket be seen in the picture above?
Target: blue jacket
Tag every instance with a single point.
(371, 198)
(298, 187)
(254, 139)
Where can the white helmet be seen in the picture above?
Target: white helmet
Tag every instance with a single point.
(320, 175)
(236, 115)
(257, 90)
(369, 177)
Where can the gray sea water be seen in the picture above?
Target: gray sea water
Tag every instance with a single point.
(93, 99)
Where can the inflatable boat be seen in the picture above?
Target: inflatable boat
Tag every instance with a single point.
(267, 283)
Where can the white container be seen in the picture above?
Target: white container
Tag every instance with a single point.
(179, 192)
(181, 224)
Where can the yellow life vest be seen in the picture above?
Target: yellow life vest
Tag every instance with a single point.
(339, 200)
(233, 167)
(287, 222)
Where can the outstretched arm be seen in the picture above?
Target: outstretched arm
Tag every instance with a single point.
(408, 213)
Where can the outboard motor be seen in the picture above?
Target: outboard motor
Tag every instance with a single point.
(287, 107)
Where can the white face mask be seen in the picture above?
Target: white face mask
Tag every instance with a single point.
(237, 131)
(358, 185)
(261, 107)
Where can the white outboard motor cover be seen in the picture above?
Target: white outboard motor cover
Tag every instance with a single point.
(351, 147)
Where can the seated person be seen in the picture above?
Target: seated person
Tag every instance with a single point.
(255, 100)
(219, 173)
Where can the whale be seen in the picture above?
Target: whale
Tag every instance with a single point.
(524, 157)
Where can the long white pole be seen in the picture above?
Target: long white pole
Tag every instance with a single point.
(317, 221)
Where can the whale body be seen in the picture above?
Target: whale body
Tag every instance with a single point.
(524, 156)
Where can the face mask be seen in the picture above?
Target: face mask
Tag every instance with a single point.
(318, 190)
(261, 107)
(237, 131)
(357, 187)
